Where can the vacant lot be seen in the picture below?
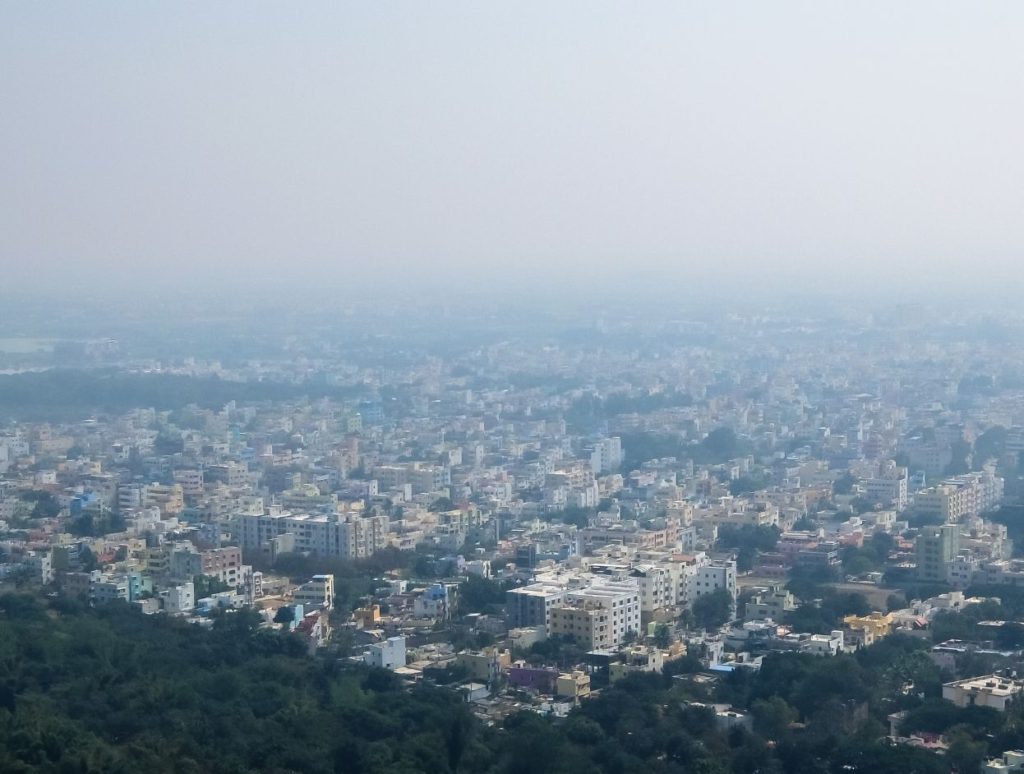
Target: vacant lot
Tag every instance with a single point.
(876, 595)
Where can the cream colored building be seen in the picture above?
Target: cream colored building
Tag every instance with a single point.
(598, 617)
(574, 685)
(993, 691)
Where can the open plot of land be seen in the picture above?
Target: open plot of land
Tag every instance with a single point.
(876, 595)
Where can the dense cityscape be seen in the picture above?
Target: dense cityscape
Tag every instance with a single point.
(792, 536)
(511, 388)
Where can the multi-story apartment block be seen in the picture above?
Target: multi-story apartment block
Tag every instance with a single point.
(666, 536)
(109, 589)
(182, 561)
(421, 477)
(389, 654)
(170, 499)
(190, 480)
(657, 586)
(349, 536)
(680, 511)
(931, 457)
(1002, 572)
(531, 605)
(129, 497)
(947, 502)
(890, 487)
(224, 564)
(714, 575)
(179, 599)
(936, 549)
(605, 455)
(598, 617)
(960, 496)
(317, 592)
(390, 477)
(234, 474)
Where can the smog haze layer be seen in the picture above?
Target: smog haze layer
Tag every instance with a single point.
(588, 146)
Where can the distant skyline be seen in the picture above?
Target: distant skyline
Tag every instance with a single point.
(453, 145)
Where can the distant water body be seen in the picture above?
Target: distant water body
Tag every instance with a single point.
(23, 346)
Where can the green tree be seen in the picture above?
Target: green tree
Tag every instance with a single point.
(844, 484)
(285, 615)
(745, 485)
(895, 602)
(720, 445)
(748, 541)
(481, 595)
(710, 611)
(663, 635)
(44, 504)
(991, 444)
(168, 443)
(205, 585)
(773, 716)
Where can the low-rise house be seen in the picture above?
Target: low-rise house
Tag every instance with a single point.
(994, 691)
(389, 654)
(573, 685)
(1010, 762)
(531, 678)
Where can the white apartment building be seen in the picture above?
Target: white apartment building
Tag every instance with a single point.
(658, 586)
(598, 617)
(389, 654)
(962, 569)
(129, 497)
(348, 536)
(179, 599)
(316, 593)
(1002, 572)
(682, 575)
(715, 574)
(391, 477)
(605, 455)
(946, 501)
(890, 487)
(960, 496)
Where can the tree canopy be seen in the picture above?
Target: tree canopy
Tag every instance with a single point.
(711, 611)
(112, 690)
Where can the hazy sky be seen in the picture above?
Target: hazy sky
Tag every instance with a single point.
(560, 141)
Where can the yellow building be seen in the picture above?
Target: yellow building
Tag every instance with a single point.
(486, 665)
(879, 625)
(169, 499)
